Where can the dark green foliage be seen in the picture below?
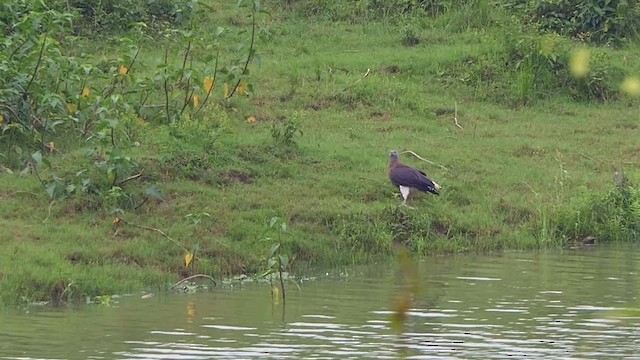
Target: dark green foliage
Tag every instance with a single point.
(598, 21)
(119, 15)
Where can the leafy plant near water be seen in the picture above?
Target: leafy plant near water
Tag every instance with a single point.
(277, 262)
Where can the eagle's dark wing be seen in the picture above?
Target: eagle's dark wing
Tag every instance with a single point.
(403, 175)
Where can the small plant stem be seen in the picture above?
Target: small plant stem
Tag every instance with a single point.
(15, 115)
(35, 170)
(213, 84)
(184, 61)
(281, 282)
(44, 129)
(246, 63)
(166, 87)
(194, 277)
(133, 60)
(35, 71)
(18, 48)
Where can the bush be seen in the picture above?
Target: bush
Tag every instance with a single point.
(597, 21)
(119, 15)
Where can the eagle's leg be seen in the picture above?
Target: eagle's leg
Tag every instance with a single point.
(405, 191)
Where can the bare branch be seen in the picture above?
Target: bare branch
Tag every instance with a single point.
(423, 159)
(193, 277)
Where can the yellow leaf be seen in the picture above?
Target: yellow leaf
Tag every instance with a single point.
(71, 108)
(122, 70)
(188, 258)
(630, 86)
(116, 220)
(196, 100)
(85, 92)
(207, 84)
(252, 119)
(242, 88)
(52, 147)
(1, 119)
(579, 63)
(275, 293)
(226, 90)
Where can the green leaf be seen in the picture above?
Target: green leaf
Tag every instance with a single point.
(273, 221)
(50, 188)
(273, 250)
(37, 157)
(284, 260)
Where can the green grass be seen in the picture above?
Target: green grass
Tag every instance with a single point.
(507, 172)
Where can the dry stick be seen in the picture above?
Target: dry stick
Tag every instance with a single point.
(156, 230)
(356, 82)
(455, 115)
(193, 277)
(132, 177)
(589, 158)
(423, 159)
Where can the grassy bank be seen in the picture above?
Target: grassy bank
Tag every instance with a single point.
(530, 165)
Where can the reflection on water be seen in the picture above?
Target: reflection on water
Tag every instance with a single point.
(515, 305)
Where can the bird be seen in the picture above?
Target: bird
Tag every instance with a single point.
(409, 179)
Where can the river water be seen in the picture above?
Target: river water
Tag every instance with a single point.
(570, 304)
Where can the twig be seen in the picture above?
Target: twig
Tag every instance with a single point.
(423, 159)
(589, 158)
(132, 177)
(455, 115)
(121, 220)
(193, 277)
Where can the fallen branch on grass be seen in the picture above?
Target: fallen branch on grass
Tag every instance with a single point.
(193, 277)
(423, 159)
(119, 220)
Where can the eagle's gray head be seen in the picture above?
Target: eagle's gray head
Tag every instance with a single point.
(393, 155)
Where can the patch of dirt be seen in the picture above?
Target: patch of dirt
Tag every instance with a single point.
(319, 105)
(441, 228)
(235, 176)
(445, 111)
(528, 151)
(391, 69)
(381, 116)
(120, 257)
(77, 258)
